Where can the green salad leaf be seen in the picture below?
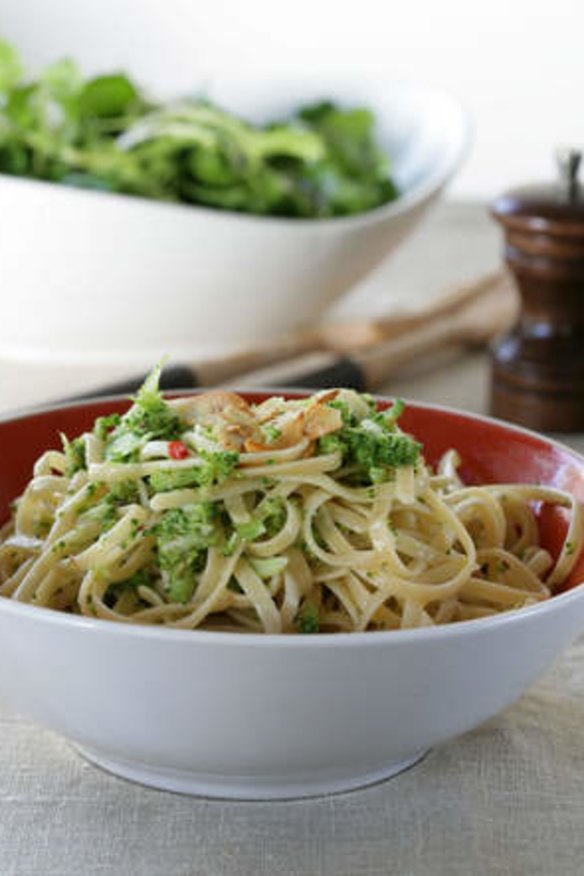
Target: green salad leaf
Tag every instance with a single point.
(107, 97)
(105, 134)
(10, 66)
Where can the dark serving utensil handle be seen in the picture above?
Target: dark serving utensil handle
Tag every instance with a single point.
(343, 371)
(172, 377)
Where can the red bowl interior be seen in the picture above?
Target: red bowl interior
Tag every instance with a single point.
(491, 452)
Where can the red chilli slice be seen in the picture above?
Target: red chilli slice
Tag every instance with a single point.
(177, 450)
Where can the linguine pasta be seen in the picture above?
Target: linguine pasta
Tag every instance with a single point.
(288, 516)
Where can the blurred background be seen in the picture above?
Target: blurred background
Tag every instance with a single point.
(517, 66)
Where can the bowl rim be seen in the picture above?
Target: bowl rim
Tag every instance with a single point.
(417, 196)
(378, 638)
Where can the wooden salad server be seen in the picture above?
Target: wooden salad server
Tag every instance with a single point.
(358, 354)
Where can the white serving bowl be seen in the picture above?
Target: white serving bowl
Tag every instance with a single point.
(258, 716)
(251, 717)
(92, 274)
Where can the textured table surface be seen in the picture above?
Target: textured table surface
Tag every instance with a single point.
(507, 798)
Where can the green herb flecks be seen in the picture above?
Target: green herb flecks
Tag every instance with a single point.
(307, 620)
(107, 510)
(272, 433)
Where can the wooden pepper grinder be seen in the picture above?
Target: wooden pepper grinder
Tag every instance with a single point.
(538, 366)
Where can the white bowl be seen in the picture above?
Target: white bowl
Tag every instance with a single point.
(252, 717)
(260, 716)
(93, 274)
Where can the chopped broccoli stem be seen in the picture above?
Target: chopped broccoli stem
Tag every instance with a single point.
(307, 620)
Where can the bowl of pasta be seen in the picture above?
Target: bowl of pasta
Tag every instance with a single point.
(258, 596)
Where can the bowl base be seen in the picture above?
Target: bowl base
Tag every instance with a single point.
(244, 787)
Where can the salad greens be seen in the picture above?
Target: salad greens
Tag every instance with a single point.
(105, 133)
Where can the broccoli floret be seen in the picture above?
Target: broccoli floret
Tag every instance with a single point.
(332, 443)
(123, 493)
(174, 479)
(149, 417)
(106, 511)
(74, 454)
(214, 469)
(349, 419)
(373, 449)
(268, 518)
(372, 444)
(273, 515)
(183, 536)
(150, 414)
(217, 466)
(104, 425)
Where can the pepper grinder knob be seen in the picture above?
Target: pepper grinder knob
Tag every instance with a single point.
(568, 161)
(538, 366)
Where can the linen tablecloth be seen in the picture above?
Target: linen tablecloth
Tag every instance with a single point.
(505, 799)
